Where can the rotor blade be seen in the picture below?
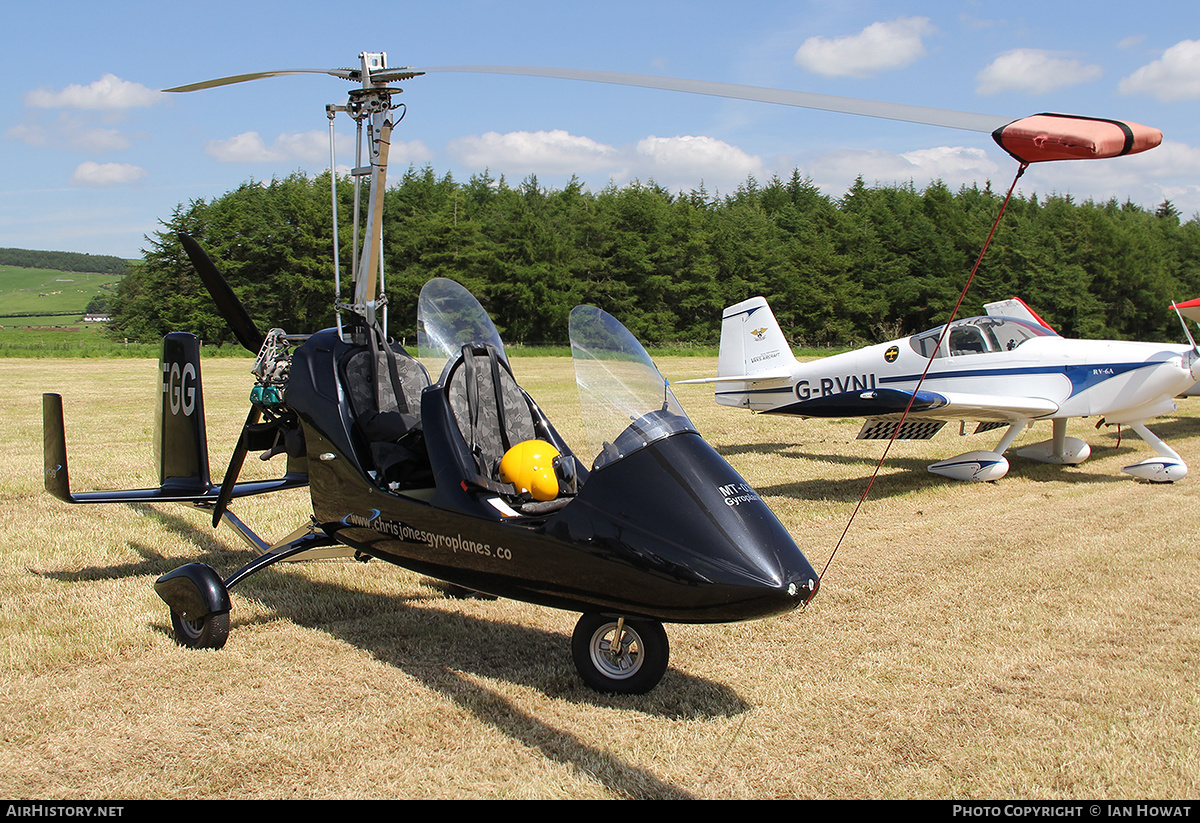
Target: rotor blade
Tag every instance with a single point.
(824, 102)
(228, 305)
(234, 468)
(345, 74)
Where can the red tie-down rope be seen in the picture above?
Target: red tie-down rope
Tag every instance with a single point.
(962, 296)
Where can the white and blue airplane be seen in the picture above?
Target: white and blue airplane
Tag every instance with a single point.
(1005, 370)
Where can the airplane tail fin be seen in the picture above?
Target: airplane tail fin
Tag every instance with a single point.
(181, 441)
(755, 363)
(752, 343)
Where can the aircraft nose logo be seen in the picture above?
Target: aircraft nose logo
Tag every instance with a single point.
(891, 354)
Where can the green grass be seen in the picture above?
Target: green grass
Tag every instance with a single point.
(46, 338)
(85, 340)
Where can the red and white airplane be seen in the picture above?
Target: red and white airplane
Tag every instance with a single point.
(1005, 370)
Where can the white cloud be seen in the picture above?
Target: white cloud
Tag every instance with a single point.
(952, 163)
(98, 140)
(30, 133)
(249, 147)
(70, 131)
(955, 166)
(538, 152)
(678, 163)
(879, 47)
(1145, 179)
(311, 147)
(1173, 77)
(684, 162)
(1034, 71)
(108, 93)
(90, 173)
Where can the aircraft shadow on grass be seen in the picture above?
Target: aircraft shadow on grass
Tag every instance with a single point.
(466, 645)
(902, 475)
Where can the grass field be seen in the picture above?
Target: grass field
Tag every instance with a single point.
(1038, 637)
(28, 291)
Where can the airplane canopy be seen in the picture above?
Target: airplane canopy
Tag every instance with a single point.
(1042, 137)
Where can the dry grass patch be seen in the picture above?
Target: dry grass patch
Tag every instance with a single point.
(1035, 638)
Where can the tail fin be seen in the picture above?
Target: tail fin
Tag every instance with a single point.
(752, 344)
(181, 441)
(54, 448)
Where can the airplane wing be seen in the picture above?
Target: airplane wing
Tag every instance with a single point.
(890, 404)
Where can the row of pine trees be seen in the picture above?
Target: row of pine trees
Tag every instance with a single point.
(873, 264)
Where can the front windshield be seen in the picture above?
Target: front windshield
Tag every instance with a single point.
(625, 400)
(448, 318)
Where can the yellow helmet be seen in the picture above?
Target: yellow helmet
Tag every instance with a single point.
(529, 466)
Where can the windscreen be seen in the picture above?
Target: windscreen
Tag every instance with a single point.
(448, 318)
(625, 400)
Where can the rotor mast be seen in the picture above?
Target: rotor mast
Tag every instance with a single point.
(370, 106)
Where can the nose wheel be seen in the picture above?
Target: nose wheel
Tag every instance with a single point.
(208, 632)
(619, 655)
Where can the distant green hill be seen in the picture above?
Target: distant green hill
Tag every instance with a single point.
(63, 261)
(41, 284)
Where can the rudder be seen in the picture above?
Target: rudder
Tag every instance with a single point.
(181, 441)
(752, 341)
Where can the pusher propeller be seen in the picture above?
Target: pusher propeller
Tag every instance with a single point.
(247, 333)
(235, 314)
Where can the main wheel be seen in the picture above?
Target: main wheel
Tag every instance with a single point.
(631, 662)
(208, 632)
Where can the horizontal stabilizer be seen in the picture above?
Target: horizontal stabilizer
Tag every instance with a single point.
(57, 474)
(758, 377)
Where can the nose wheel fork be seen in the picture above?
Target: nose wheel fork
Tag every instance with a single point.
(619, 655)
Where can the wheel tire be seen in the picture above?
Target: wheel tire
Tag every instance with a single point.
(635, 669)
(208, 632)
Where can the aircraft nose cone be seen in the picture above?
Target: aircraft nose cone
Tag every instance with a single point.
(804, 591)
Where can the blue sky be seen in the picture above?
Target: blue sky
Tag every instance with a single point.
(94, 156)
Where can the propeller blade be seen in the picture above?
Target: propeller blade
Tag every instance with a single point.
(1190, 309)
(378, 76)
(824, 102)
(228, 305)
(345, 74)
(235, 467)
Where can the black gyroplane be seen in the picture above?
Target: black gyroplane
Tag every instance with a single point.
(444, 465)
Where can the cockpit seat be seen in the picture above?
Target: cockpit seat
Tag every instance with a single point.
(492, 412)
(384, 384)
